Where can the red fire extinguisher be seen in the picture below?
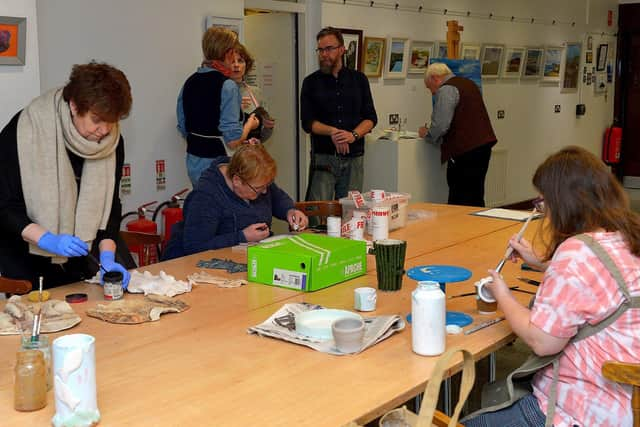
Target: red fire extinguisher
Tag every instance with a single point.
(612, 145)
(143, 225)
(171, 213)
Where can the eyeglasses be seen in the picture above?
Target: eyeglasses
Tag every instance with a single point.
(327, 49)
(538, 203)
(260, 189)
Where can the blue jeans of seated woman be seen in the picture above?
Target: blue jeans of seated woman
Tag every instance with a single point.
(524, 413)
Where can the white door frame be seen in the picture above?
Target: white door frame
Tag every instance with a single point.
(309, 17)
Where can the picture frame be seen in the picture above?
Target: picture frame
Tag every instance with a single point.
(373, 58)
(513, 62)
(13, 40)
(420, 52)
(571, 66)
(397, 57)
(533, 58)
(234, 24)
(440, 49)
(470, 51)
(491, 60)
(551, 64)
(603, 50)
(352, 57)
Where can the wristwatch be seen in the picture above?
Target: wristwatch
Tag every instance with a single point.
(355, 134)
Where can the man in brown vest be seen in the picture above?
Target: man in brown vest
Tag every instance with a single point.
(460, 125)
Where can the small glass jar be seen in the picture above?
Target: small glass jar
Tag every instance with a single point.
(113, 285)
(30, 389)
(41, 344)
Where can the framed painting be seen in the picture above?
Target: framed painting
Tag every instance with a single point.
(352, 57)
(234, 24)
(513, 62)
(602, 57)
(419, 55)
(571, 69)
(491, 59)
(470, 51)
(373, 56)
(551, 67)
(533, 63)
(397, 58)
(440, 50)
(13, 40)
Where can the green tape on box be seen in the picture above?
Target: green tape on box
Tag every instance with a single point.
(306, 262)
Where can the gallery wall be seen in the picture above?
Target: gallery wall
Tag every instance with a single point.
(531, 129)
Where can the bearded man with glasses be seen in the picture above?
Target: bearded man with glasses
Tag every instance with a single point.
(337, 110)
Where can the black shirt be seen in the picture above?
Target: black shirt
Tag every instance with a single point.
(343, 102)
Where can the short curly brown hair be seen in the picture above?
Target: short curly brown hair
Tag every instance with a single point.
(100, 88)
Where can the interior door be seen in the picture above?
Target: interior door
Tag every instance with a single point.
(270, 37)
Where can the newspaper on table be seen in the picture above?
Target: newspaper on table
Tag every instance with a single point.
(376, 328)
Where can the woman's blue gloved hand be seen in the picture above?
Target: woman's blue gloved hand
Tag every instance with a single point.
(63, 245)
(108, 261)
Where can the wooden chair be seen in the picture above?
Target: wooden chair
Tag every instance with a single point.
(146, 240)
(321, 209)
(13, 286)
(626, 373)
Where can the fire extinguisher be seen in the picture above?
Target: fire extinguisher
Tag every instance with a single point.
(143, 225)
(612, 145)
(171, 213)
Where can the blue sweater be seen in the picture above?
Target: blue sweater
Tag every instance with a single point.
(214, 216)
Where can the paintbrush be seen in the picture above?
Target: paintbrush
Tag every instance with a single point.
(509, 250)
(474, 293)
(94, 259)
(484, 325)
(35, 330)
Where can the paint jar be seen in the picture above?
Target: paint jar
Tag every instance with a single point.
(334, 224)
(30, 387)
(41, 344)
(428, 318)
(113, 285)
(380, 223)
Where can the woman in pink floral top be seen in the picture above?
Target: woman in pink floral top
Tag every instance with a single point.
(580, 196)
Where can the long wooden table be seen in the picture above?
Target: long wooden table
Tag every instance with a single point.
(202, 368)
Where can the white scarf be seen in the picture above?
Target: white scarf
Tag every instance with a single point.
(45, 131)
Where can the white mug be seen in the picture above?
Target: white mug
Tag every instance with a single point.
(365, 299)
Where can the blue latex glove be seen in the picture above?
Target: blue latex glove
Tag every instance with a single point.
(108, 261)
(63, 244)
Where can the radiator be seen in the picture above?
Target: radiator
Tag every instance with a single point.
(495, 185)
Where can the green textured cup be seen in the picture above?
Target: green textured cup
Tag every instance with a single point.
(390, 256)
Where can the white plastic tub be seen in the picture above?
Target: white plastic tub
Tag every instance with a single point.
(398, 204)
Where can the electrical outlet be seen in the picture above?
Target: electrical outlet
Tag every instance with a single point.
(556, 108)
(501, 114)
(394, 119)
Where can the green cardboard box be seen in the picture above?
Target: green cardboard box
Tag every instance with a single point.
(306, 262)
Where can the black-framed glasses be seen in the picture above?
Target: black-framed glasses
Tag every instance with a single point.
(260, 189)
(327, 49)
(538, 203)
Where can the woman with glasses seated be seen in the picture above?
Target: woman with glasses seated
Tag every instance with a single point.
(591, 237)
(233, 203)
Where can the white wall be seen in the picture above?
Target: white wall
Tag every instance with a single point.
(157, 45)
(531, 130)
(20, 83)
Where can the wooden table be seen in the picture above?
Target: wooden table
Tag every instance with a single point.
(201, 367)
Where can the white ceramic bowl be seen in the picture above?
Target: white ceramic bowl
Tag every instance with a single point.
(317, 323)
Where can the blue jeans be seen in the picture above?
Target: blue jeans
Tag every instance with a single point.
(333, 176)
(524, 413)
(195, 166)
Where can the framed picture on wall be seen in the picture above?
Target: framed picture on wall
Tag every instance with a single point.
(13, 39)
(470, 51)
(602, 57)
(571, 69)
(513, 62)
(440, 50)
(352, 57)
(491, 59)
(373, 56)
(419, 55)
(551, 64)
(233, 24)
(397, 58)
(533, 63)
